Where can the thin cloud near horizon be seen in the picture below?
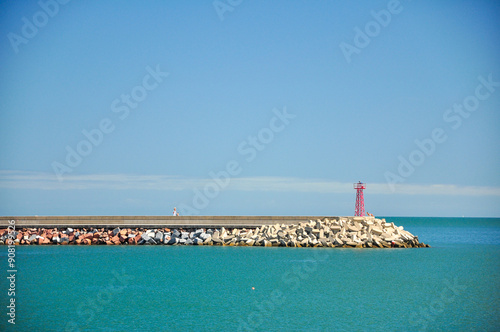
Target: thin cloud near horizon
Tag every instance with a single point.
(48, 181)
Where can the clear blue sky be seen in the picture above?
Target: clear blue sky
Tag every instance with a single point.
(287, 103)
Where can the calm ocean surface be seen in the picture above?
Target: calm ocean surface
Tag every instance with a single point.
(455, 285)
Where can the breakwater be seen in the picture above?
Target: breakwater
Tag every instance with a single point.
(359, 232)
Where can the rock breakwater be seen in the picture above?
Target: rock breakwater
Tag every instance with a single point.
(358, 232)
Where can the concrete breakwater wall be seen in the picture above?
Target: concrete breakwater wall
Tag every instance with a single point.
(359, 232)
(154, 221)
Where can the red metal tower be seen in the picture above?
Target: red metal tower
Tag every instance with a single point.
(360, 200)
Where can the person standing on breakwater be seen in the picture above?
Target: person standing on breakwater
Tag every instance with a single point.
(175, 212)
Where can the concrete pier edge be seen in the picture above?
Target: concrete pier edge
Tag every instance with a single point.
(155, 221)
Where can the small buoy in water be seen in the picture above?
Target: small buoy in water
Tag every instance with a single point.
(253, 288)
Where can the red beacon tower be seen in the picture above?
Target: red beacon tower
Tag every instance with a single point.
(360, 200)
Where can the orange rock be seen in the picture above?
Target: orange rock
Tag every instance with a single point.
(123, 232)
(97, 235)
(78, 241)
(109, 243)
(95, 240)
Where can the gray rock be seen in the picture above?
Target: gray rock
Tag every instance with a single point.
(176, 233)
(69, 230)
(172, 240)
(185, 235)
(198, 241)
(189, 242)
(182, 241)
(205, 236)
(77, 235)
(145, 237)
(56, 239)
(159, 236)
(32, 238)
(116, 231)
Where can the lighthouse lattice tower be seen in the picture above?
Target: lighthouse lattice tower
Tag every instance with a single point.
(360, 200)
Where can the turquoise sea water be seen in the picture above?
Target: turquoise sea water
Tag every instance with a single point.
(455, 285)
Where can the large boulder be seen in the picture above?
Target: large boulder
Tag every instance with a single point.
(159, 237)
